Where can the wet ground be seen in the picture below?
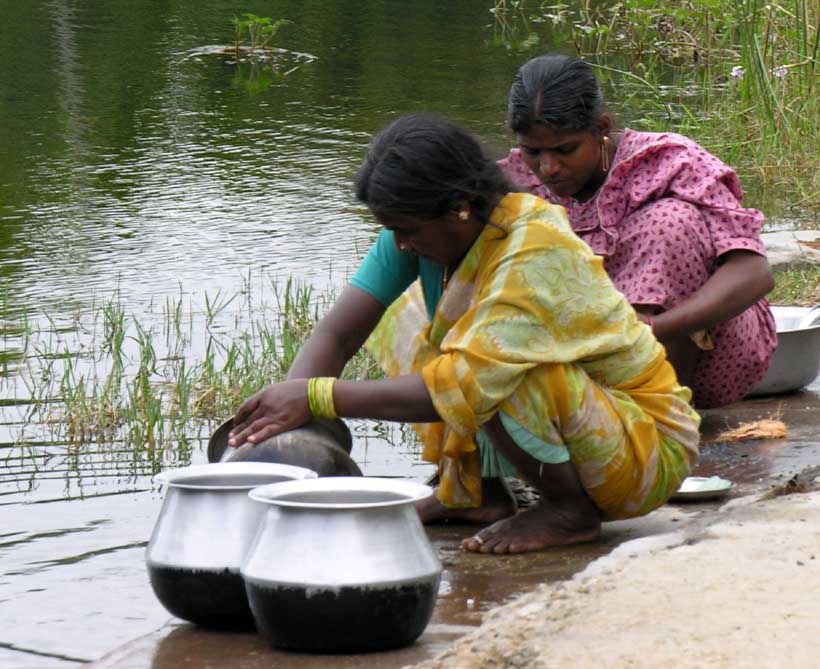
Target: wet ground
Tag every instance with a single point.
(62, 606)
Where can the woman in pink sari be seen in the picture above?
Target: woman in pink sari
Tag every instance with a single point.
(665, 214)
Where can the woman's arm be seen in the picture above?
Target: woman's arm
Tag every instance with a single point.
(337, 337)
(284, 406)
(742, 279)
(401, 398)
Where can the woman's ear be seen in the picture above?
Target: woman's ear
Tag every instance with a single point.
(605, 123)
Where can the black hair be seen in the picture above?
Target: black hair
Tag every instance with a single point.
(556, 91)
(424, 166)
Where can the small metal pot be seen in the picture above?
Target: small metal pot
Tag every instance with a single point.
(341, 564)
(322, 445)
(204, 529)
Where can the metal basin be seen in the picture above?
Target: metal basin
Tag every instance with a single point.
(796, 360)
(341, 565)
(204, 529)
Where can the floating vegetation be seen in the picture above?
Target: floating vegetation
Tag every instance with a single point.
(258, 65)
(260, 31)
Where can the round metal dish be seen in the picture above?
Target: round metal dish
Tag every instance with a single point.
(702, 489)
(322, 445)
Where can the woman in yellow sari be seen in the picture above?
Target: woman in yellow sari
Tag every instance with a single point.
(505, 344)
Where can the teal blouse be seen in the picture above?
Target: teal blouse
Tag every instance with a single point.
(386, 272)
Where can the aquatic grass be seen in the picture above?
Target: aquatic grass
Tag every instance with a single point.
(109, 384)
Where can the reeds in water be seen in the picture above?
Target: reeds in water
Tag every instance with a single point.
(149, 387)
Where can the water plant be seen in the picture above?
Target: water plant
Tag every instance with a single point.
(260, 30)
(258, 64)
(146, 391)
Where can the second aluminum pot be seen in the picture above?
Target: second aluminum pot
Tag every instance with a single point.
(341, 564)
(204, 529)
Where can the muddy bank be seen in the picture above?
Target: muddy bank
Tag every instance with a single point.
(734, 591)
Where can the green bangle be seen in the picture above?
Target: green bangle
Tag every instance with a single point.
(320, 396)
(311, 396)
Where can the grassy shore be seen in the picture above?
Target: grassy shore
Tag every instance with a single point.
(799, 287)
(739, 76)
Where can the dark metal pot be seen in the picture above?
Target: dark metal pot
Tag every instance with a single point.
(341, 565)
(321, 445)
(204, 529)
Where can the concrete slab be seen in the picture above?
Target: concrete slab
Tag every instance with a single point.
(735, 592)
(792, 249)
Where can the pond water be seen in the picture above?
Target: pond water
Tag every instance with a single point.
(139, 165)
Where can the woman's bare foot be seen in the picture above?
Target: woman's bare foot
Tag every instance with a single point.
(497, 502)
(540, 526)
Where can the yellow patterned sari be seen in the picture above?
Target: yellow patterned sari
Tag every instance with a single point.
(531, 325)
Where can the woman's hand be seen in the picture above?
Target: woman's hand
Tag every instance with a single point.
(742, 278)
(276, 409)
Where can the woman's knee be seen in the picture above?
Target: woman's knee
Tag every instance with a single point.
(664, 253)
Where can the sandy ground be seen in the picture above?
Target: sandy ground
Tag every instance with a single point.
(739, 590)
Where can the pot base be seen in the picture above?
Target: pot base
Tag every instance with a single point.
(343, 620)
(216, 600)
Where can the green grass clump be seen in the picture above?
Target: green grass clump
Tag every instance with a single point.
(142, 388)
(800, 287)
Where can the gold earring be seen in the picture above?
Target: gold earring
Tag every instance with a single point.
(605, 153)
(463, 215)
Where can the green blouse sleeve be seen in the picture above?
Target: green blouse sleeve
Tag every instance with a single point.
(385, 272)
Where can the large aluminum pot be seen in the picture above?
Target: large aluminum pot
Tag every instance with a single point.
(204, 529)
(796, 360)
(341, 564)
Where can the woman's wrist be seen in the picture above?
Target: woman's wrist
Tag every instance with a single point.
(320, 396)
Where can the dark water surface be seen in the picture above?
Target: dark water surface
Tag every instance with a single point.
(139, 169)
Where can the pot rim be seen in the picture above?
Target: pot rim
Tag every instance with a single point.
(186, 477)
(789, 318)
(272, 493)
